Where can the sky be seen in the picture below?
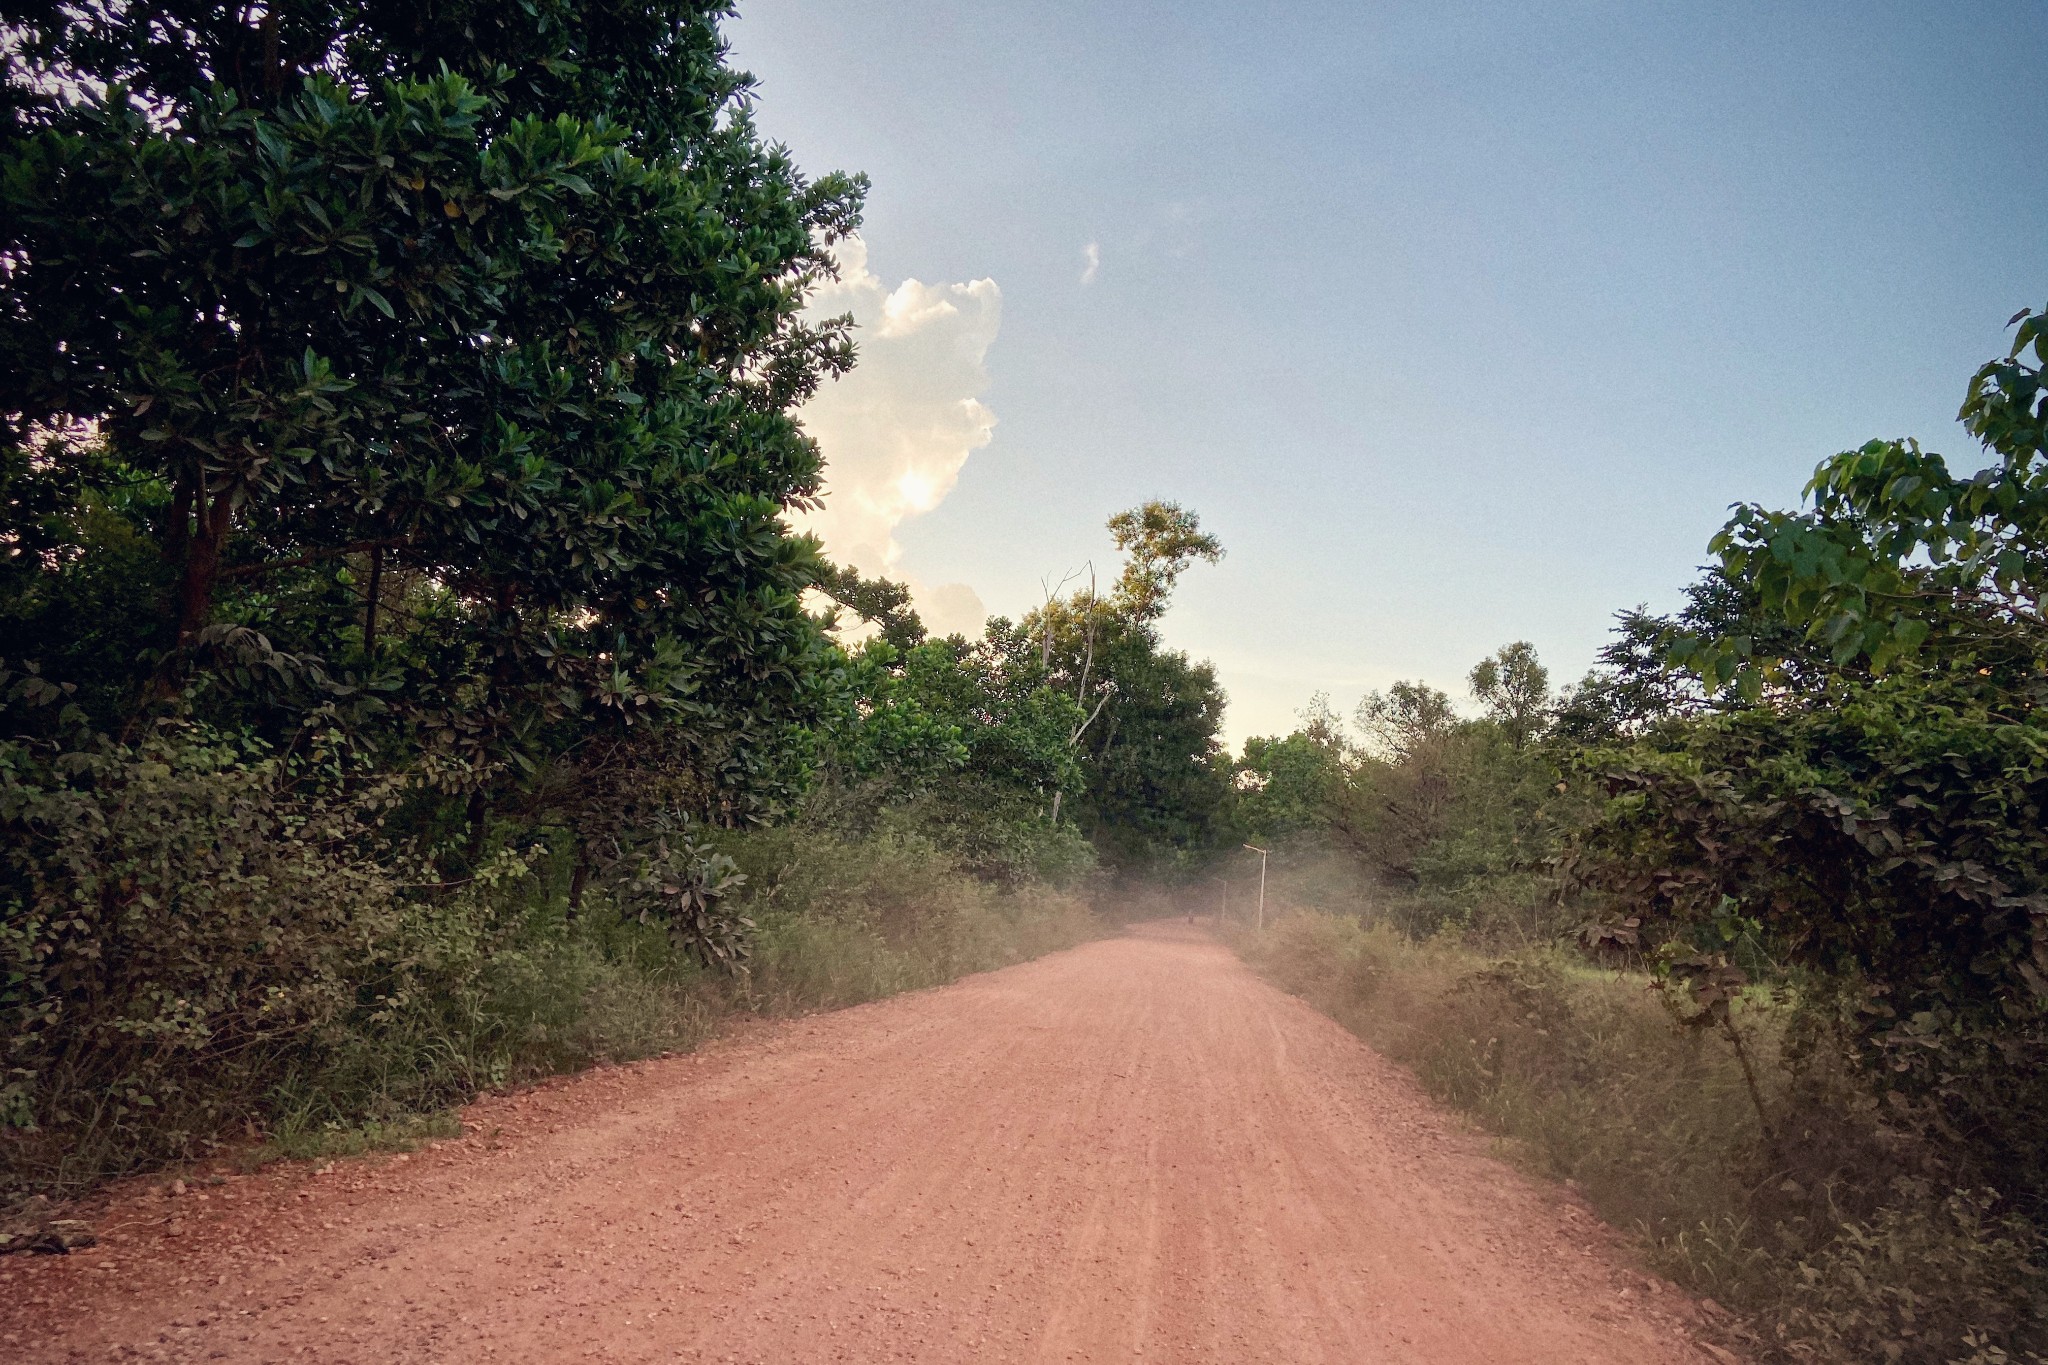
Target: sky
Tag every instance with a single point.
(1458, 324)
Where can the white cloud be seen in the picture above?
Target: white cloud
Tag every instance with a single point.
(897, 431)
(951, 609)
(1092, 255)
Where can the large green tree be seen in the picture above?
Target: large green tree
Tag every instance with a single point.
(450, 348)
(1155, 776)
(1867, 796)
(1515, 690)
(1289, 785)
(1897, 560)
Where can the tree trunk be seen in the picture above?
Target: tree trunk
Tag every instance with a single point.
(370, 611)
(210, 522)
(1756, 1094)
(193, 544)
(579, 879)
(479, 816)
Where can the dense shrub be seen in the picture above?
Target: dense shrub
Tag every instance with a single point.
(1927, 1278)
(195, 949)
(843, 921)
(172, 919)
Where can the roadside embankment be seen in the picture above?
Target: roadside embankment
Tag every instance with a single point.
(1763, 1201)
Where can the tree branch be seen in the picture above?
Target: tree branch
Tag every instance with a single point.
(312, 557)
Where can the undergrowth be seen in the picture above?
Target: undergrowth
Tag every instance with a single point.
(1799, 1218)
(502, 985)
(298, 1143)
(841, 921)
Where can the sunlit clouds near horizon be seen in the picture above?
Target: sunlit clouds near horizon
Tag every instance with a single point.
(1458, 324)
(897, 431)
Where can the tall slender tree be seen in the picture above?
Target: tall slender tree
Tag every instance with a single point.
(1147, 718)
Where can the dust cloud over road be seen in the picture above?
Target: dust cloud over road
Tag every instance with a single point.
(1132, 1151)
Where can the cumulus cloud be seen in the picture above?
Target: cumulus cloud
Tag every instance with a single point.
(1091, 256)
(951, 609)
(897, 430)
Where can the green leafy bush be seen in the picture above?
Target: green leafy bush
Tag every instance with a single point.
(193, 949)
(1887, 847)
(686, 888)
(173, 916)
(844, 920)
(1928, 1278)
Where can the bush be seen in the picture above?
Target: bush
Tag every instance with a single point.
(1886, 848)
(543, 998)
(848, 920)
(191, 947)
(1929, 1278)
(172, 920)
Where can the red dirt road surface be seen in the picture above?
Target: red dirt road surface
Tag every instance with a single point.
(1132, 1151)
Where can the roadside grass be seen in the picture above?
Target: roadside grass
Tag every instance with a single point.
(843, 921)
(1809, 1230)
(295, 1143)
(1582, 1070)
(525, 991)
(804, 962)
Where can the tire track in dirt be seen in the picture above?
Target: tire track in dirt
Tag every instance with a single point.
(1131, 1151)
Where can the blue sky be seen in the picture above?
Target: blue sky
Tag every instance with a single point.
(1458, 324)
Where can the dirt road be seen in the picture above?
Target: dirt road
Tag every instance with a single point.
(1132, 1151)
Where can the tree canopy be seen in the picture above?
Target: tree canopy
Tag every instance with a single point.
(1898, 560)
(448, 352)
(1154, 776)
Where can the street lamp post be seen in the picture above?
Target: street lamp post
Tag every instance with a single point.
(1262, 882)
